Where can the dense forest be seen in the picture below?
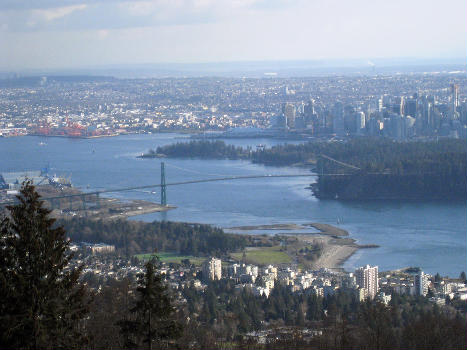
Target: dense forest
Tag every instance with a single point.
(394, 170)
(280, 155)
(201, 149)
(132, 237)
(381, 168)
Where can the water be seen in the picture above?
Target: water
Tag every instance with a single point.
(430, 235)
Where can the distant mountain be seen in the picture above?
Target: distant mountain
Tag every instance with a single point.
(257, 69)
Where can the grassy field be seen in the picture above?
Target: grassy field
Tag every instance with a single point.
(168, 257)
(264, 256)
(257, 256)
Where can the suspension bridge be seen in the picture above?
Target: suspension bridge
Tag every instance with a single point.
(53, 200)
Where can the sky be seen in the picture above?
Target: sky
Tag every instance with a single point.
(44, 34)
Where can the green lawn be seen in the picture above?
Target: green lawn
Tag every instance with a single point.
(169, 257)
(264, 256)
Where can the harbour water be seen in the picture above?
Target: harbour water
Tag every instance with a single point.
(431, 235)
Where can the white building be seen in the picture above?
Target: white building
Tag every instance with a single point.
(421, 284)
(367, 278)
(270, 270)
(268, 281)
(212, 269)
(99, 248)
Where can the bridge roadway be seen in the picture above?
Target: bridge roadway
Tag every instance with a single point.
(227, 178)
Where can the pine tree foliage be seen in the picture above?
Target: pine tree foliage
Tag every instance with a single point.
(42, 304)
(151, 324)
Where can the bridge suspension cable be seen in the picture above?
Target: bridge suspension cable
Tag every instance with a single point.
(133, 188)
(194, 171)
(162, 185)
(340, 163)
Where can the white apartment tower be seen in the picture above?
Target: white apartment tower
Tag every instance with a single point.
(212, 269)
(454, 100)
(421, 284)
(367, 278)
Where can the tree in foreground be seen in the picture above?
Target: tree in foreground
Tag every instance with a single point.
(151, 323)
(42, 304)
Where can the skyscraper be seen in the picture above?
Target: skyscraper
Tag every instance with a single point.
(309, 108)
(398, 105)
(410, 107)
(359, 122)
(421, 284)
(338, 119)
(454, 100)
(367, 278)
(288, 110)
(455, 94)
(212, 269)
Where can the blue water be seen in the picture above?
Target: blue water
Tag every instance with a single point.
(430, 235)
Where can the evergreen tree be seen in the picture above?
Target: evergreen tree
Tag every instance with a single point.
(41, 301)
(151, 323)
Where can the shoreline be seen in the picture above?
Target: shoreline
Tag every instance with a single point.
(267, 227)
(82, 204)
(333, 254)
(336, 245)
(76, 137)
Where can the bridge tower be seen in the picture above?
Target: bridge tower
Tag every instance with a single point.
(320, 166)
(163, 186)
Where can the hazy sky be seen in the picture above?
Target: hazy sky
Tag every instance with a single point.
(80, 33)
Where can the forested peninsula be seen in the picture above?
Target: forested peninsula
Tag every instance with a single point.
(358, 169)
(393, 170)
(133, 237)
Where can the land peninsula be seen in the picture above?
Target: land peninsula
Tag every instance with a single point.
(311, 245)
(357, 169)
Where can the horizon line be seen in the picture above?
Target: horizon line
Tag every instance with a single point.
(344, 63)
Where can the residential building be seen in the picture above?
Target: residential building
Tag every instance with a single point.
(421, 284)
(367, 278)
(212, 269)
